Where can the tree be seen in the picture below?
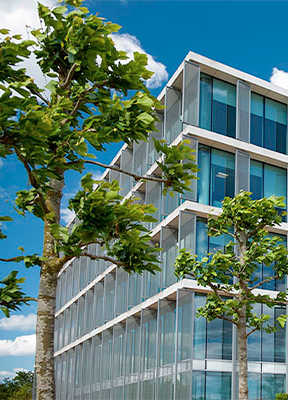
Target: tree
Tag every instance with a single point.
(230, 276)
(18, 388)
(97, 97)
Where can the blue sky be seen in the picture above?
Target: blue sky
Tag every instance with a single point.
(250, 36)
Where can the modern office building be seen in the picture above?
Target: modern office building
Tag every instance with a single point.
(121, 336)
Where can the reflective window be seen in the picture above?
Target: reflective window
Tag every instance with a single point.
(216, 176)
(217, 106)
(211, 385)
(212, 340)
(205, 102)
(224, 108)
(257, 119)
(275, 126)
(271, 385)
(267, 180)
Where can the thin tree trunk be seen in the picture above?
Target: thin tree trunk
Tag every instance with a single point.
(242, 355)
(242, 334)
(44, 363)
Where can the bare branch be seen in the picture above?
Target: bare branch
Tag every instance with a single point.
(70, 74)
(252, 331)
(227, 319)
(12, 259)
(105, 258)
(81, 98)
(136, 177)
(271, 278)
(38, 94)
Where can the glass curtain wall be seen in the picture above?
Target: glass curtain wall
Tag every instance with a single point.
(172, 114)
(217, 106)
(268, 123)
(166, 349)
(216, 175)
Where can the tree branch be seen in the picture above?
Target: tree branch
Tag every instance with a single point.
(32, 178)
(105, 258)
(38, 94)
(135, 176)
(263, 281)
(70, 74)
(81, 98)
(226, 233)
(252, 331)
(227, 319)
(11, 259)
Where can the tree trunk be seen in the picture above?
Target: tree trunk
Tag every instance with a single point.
(44, 363)
(242, 355)
(242, 335)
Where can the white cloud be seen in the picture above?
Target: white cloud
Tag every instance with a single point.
(67, 215)
(11, 374)
(130, 44)
(279, 78)
(21, 323)
(20, 346)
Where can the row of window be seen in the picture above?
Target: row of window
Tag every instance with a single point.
(119, 291)
(112, 364)
(268, 118)
(217, 177)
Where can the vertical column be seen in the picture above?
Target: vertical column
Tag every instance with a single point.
(121, 291)
(152, 154)
(243, 111)
(191, 195)
(191, 94)
(132, 354)
(118, 362)
(148, 354)
(78, 374)
(140, 158)
(109, 297)
(168, 243)
(86, 370)
(70, 374)
(153, 196)
(242, 171)
(187, 231)
(166, 349)
(172, 114)
(96, 367)
(183, 345)
(126, 165)
(106, 365)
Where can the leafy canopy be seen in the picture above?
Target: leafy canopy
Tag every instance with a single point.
(95, 96)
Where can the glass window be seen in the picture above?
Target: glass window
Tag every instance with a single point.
(219, 339)
(172, 112)
(256, 179)
(224, 108)
(201, 238)
(198, 385)
(148, 340)
(191, 94)
(216, 386)
(222, 176)
(184, 342)
(275, 181)
(109, 297)
(167, 331)
(199, 345)
(254, 340)
(157, 134)
(271, 385)
(203, 183)
(205, 102)
(257, 119)
(275, 126)
(169, 239)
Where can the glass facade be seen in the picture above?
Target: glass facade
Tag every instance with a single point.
(122, 336)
